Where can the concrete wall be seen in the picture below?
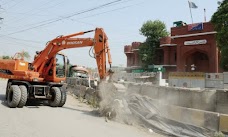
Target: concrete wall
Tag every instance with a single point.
(133, 77)
(197, 107)
(200, 108)
(187, 79)
(197, 99)
(209, 80)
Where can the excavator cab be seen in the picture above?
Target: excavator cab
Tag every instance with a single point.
(60, 66)
(58, 70)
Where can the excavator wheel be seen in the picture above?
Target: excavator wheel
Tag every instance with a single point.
(24, 96)
(63, 98)
(14, 96)
(56, 97)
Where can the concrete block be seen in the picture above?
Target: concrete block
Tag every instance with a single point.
(150, 91)
(214, 84)
(211, 120)
(186, 115)
(225, 86)
(204, 100)
(185, 98)
(173, 82)
(199, 118)
(134, 88)
(196, 117)
(196, 100)
(222, 108)
(214, 76)
(225, 77)
(222, 97)
(184, 82)
(197, 83)
(172, 96)
(223, 123)
(174, 113)
(162, 95)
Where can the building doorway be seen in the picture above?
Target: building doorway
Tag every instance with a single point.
(197, 61)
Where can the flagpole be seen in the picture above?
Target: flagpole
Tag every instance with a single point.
(190, 11)
(205, 18)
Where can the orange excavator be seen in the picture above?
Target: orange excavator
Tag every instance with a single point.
(44, 78)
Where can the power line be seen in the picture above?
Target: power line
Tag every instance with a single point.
(7, 2)
(38, 7)
(54, 21)
(25, 40)
(75, 20)
(20, 44)
(16, 4)
(47, 21)
(107, 11)
(27, 14)
(60, 16)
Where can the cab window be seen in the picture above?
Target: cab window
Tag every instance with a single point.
(60, 66)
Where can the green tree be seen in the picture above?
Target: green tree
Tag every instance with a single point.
(153, 31)
(5, 57)
(25, 54)
(22, 55)
(220, 21)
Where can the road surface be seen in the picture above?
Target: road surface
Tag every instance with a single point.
(73, 120)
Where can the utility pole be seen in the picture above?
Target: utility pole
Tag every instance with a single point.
(1, 17)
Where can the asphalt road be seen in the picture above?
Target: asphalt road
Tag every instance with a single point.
(75, 119)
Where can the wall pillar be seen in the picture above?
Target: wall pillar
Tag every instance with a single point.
(129, 60)
(166, 55)
(136, 56)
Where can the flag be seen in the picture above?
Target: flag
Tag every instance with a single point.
(192, 5)
(196, 26)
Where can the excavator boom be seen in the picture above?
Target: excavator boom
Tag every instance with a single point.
(99, 43)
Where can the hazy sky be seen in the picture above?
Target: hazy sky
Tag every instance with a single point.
(29, 24)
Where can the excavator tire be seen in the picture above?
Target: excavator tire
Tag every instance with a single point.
(63, 98)
(24, 96)
(7, 89)
(14, 96)
(56, 97)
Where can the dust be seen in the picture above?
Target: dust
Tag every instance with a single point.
(113, 103)
(125, 104)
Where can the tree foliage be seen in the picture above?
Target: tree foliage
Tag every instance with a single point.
(5, 57)
(153, 31)
(22, 54)
(25, 54)
(220, 21)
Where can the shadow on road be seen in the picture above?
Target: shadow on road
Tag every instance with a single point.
(93, 113)
(35, 103)
(3, 100)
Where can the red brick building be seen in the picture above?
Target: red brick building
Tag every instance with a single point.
(132, 54)
(189, 48)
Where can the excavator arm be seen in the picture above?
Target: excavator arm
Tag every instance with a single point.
(99, 43)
